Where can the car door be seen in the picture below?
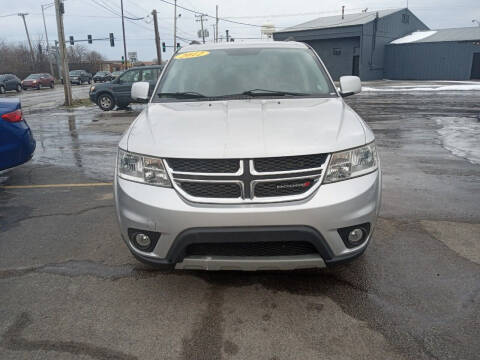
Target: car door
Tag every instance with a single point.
(123, 88)
(10, 82)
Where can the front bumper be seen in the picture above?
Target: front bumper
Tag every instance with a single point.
(332, 206)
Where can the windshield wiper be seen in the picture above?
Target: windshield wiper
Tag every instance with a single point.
(265, 92)
(183, 95)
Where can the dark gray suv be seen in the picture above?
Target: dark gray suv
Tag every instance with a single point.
(117, 92)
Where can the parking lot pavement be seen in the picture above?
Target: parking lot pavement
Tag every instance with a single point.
(69, 289)
(46, 98)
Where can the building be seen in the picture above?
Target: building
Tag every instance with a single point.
(447, 54)
(354, 44)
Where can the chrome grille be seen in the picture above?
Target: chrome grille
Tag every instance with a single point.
(289, 163)
(247, 180)
(212, 190)
(207, 166)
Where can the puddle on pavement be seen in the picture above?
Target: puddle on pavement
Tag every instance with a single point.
(85, 138)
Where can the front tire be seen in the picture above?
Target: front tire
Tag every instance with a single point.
(52, 85)
(19, 88)
(106, 102)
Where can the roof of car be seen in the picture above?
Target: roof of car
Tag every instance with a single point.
(243, 45)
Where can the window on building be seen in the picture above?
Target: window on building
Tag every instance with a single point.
(405, 18)
(337, 51)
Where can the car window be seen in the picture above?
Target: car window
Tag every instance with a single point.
(34, 76)
(130, 76)
(224, 72)
(149, 75)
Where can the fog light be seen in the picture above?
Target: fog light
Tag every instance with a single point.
(355, 235)
(143, 240)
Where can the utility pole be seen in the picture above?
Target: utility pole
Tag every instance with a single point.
(46, 36)
(201, 16)
(214, 38)
(216, 24)
(28, 37)
(175, 26)
(157, 37)
(59, 10)
(124, 42)
(226, 32)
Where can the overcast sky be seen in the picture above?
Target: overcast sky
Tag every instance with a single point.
(83, 17)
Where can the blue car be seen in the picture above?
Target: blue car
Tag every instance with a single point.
(16, 141)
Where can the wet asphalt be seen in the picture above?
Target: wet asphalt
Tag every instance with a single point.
(69, 288)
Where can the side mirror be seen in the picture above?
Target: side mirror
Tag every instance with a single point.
(140, 90)
(350, 85)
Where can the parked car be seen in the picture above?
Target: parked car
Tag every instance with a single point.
(117, 92)
(116, 74)
(9, 82)
(36, 81)
(103, 76)
(247, 157)
(79, 77)
(16, 141)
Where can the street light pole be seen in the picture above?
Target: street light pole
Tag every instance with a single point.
(46, 37)
(63, 53)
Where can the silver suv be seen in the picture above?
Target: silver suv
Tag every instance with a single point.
(247, 158)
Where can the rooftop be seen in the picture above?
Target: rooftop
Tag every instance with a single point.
(337, 21)
(441, 35)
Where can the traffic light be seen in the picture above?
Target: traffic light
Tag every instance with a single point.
(72, 41)
(89, 37)
(62, 8)
(164, 47)
(112, 40)
(178, 46)
(39, 48)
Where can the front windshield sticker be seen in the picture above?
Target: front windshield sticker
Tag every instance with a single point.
(192, 54)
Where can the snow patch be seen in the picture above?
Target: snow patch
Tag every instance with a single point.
(460, 136)
(416, 36)
(456, 87)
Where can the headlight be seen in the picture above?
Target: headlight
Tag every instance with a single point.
(144, 169)
(92, 88)
(352, 163)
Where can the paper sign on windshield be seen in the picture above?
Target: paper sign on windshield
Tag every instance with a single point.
(192, 54)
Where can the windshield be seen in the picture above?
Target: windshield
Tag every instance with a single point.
(244, 71)
(101, 73)
(34, 76)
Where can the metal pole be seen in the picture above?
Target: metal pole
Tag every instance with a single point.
(157, 37)
(226, 32)
(216, 22)
(63, 54)
(124, 42)
(48, 46)
(28, 37)
(175, 26)
(203, 31)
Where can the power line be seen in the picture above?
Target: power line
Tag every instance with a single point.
(210, 16)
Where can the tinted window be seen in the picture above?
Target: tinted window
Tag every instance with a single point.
(130, 76)
(232, 71)
(149, 75)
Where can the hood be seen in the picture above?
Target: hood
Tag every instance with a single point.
(245, 128)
